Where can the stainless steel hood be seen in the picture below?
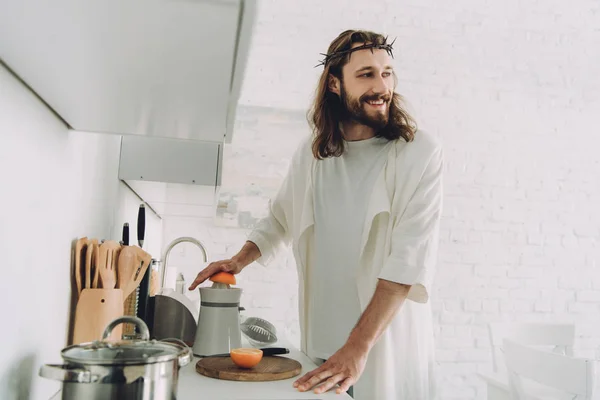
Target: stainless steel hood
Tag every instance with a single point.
(161, 68)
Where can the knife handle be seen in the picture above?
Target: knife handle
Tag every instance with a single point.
(125, 235)
(273, 351)
(141, 225)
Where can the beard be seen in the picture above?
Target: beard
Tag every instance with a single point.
(354, 110)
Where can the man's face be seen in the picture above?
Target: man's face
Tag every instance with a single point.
(367, 87)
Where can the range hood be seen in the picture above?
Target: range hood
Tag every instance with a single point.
(161, 68)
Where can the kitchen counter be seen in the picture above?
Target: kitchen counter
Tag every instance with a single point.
(193, 386)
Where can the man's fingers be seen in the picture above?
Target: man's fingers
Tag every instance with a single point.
(204, 275)
(329, 383)
(345, 385)
(315, 380)
(306, 377)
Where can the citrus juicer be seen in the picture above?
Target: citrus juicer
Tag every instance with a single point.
(218, 328)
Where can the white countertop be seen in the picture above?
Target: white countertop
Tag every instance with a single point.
(193, 386)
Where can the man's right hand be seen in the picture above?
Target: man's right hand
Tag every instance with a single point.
(230, 265)
(248, 254)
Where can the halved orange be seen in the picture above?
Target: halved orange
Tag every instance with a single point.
(246, 357)
(223, 277)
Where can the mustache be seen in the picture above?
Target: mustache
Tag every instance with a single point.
(373, 97)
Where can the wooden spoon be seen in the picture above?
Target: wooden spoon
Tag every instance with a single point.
(80, 247)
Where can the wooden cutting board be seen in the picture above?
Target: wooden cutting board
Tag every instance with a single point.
(272, 368)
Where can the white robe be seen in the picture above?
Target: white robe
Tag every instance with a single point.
(399, 243)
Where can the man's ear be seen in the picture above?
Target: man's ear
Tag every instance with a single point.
(334, 84)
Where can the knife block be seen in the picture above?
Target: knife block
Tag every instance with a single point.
(95, 309)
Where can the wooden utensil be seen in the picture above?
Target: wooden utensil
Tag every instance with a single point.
(95, 309)
(94, 263)
(270, 368)
(80, 248)
(132, 265)
(143, 260)
(89, 258)
(107, 263)
(126, 267)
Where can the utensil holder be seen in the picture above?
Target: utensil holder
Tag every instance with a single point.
(95, 309)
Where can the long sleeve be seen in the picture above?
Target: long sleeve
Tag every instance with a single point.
(415, 236)
(275, 231)
(272, 233)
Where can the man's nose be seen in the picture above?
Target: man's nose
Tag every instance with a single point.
(380, 86)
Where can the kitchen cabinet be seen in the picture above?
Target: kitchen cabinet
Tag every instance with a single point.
(174, 177)
(150, 68)
(142, 69)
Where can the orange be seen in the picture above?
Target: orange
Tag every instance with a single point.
(246, 357)
(223, 277)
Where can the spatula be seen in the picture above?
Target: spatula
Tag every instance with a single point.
(132, 265)
(94, 263)
(89, 258)
(80, 247)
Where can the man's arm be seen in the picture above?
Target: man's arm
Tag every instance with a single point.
(347, 364)
(246, 256)
(385, 303)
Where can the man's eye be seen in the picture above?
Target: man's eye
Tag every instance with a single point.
(368, 74)
(386, 74)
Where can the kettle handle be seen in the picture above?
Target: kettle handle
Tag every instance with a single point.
(65, 373)
(145, 333)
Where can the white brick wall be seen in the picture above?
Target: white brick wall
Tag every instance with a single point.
(513, 90)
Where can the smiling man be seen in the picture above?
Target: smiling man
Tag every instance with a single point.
(361, 206)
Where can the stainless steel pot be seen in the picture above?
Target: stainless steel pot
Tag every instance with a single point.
(133, 370)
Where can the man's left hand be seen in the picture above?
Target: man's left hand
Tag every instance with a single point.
(343, 368)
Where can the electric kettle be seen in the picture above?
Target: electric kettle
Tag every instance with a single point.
(218, 328)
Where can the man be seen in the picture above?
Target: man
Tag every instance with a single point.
(361, 206)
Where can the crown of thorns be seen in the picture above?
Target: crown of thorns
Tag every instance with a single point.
(337, 54)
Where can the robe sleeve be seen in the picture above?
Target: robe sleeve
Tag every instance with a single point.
(274, 232)
(415, 235)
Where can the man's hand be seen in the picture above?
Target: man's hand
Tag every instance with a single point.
(347, 364)
(230, 265)
(343, 368)
(248, 254)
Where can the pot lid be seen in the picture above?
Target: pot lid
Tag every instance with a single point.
(129, 352)
(124, 352)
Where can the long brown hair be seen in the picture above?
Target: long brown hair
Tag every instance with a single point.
(326, 110)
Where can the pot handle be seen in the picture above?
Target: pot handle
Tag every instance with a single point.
(64, 373)
(131, 320)
(186, 355)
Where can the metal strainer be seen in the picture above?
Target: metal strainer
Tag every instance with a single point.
(259, 331)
